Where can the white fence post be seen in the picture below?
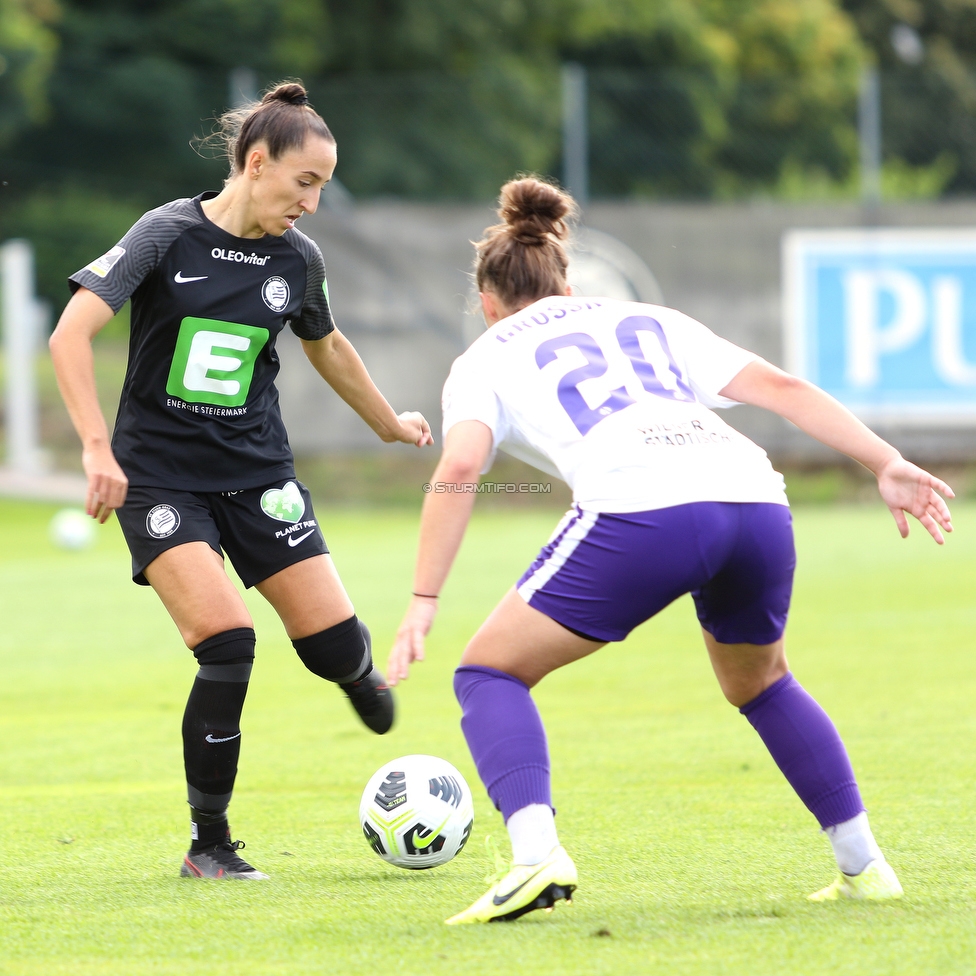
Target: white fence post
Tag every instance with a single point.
(21, 326)
(869, 134)
(576, 139)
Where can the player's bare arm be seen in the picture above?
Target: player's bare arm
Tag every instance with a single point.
(338, 363)
(71, 352)
(442, 525)
(904, 486)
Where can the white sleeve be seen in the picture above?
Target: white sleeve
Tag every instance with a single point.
(710, 362)
(467, 396)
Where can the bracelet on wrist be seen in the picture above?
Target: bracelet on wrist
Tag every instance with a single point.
(426, 596)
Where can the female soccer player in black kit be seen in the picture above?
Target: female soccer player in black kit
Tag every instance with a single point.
(199, 461)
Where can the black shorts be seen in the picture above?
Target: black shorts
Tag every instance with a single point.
(262, 530)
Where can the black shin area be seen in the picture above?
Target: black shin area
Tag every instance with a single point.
(342, 653)
(212, 730)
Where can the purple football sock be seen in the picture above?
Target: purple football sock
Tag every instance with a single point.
(505, 735)
(808, 750)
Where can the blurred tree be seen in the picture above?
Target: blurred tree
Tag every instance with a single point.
(133, 83)
(431, 98)
(27, 49)
(427, 97)
(136, 77)
(717, 97)
(688, 97)
(926, 50)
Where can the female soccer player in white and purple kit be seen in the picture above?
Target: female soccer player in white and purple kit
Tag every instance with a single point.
(617, 399)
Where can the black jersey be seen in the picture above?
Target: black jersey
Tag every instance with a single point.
(199, 409)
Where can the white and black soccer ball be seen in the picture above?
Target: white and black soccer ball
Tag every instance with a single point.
(416, 812)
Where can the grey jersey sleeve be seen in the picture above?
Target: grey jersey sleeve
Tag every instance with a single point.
(119, 272)
(314, 321)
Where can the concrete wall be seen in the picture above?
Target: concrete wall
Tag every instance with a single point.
(398, 275)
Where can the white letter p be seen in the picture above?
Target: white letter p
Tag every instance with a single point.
(866, 340)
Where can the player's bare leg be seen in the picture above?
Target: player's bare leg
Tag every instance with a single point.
(808, 750)
(329, 638)
(196, 591)
(215, 624)
(746, 670)
(525, 643)
(308, 596)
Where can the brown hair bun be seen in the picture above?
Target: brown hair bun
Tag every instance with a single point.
(289, 91)
(524, 258)
(534, 209)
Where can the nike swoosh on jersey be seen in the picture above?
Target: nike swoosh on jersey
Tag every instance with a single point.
(501, 901)
(210, 738)
(180, 280)
(294, 540)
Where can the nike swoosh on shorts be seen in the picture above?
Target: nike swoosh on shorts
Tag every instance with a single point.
(294, 540)
(180, 280)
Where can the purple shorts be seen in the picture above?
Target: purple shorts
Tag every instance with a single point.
(602, 574)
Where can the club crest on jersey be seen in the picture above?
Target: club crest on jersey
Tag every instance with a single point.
(162, 521)
(284, 504)
(275, 292)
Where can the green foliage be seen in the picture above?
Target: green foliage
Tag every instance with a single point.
(435, 99)
(441, 35)
(929, 108)
(902, 181)
(714, 99)
(69, 227)
(430, 98)
(899, 181)
(27, 50)
(694, 855)
(133, 82)
(421, 134)
(686, 98)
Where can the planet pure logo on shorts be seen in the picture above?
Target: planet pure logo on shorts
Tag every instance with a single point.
(162, 521)
(284, 504)
(214, 361)
(275, 292)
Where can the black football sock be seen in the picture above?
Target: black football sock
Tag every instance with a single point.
(212, 731)
(207, 829)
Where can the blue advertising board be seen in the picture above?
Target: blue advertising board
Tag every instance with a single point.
(885, 320)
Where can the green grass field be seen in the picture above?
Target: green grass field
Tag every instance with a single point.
(694, 855)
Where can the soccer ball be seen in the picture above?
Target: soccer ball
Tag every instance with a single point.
(71, 528)
(416, 812)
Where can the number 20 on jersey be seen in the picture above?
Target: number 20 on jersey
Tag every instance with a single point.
(585, 417)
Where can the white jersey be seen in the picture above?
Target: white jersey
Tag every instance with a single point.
(616, 399)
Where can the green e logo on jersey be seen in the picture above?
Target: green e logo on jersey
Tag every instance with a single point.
(214, 361)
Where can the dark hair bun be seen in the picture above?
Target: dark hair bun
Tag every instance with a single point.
(534, 209)
(290, 92)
